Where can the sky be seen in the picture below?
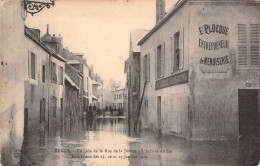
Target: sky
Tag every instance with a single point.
(98, 28)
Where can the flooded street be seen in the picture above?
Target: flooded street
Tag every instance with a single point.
(107, 141)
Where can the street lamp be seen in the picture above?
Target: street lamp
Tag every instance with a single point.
(33, 7)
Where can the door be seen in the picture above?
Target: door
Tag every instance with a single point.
(247, 103)
(159, 114)
(26, 121)
(61, 111)
(248, 127)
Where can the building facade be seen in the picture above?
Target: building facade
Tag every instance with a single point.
(200, 64)
(73, 94)
(119, 98)
(132, 70)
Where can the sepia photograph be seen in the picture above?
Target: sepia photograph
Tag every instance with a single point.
(130, 83)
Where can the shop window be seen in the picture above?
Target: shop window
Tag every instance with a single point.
(248, 45)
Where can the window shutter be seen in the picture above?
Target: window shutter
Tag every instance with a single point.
(181, 46)
(29, 64)
(144, 67)
(148, 67)
(242, 44)
(41, 110)
(172, 54)
(254, 44)
(35, 67)
(163, 60)
(155, 56)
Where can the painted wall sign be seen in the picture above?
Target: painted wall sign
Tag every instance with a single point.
(213, 43)
(172, 80)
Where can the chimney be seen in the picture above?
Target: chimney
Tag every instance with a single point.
(47, 29)
(160, 10)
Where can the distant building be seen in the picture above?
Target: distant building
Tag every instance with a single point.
(132, 70)
(203, 73)
(119, 98)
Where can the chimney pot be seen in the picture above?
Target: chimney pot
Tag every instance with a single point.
(160, 10)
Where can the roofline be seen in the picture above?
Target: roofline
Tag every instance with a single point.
(158, 25)
(44, 47)
(178, 5)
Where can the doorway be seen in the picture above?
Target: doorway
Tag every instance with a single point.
(26, 121)
(159, 114)
(248, 121)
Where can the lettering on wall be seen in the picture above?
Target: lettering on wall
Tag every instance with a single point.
(213, 43)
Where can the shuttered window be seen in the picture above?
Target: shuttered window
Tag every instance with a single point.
(177, 51)
(254, 44)
(32, 63)
(160, 61)
(248, 45)
(159, 57)
(43, 73)
(42, 109)
(60, 75)
(146, 68)
(53, 72)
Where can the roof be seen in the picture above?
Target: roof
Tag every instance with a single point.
(163, 20)
(175, 7)
(73, 62)
(118, 89)
(71, 81)
(135, 36)
(27, 32)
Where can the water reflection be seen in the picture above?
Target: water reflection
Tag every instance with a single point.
(91, 143)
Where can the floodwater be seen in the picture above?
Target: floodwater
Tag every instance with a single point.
(107, 141)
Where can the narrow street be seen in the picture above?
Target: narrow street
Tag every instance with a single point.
(76, 145)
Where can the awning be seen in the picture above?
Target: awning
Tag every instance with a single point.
(94, 97)
(71, 81)
(73, 62)
(94, 82)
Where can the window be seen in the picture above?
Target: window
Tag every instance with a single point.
(146, 68)
(32, 63)
(160, 60)
(43, 73)
(53, 72)
(177, 51)
(60, 75)
(120, 96)
(114, 96)
(87, 84)
(248, 45)
(54, 101)
(42, 109)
